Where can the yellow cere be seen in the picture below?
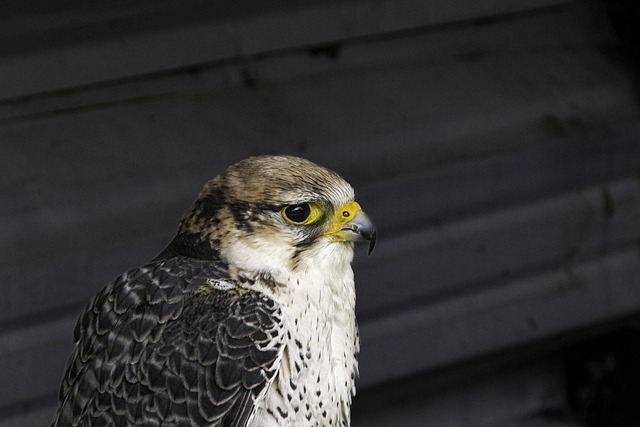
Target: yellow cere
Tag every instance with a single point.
(343, 215)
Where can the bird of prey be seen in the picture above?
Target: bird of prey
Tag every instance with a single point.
(245, 319)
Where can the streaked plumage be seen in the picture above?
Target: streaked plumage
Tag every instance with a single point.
(246, 319)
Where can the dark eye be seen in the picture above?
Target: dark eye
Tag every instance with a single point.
(297, 214)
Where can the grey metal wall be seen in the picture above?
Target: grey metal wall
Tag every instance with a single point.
(494, 143)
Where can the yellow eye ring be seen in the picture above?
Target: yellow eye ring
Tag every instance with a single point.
(301, 214)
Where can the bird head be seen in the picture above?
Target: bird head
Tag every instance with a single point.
(269, 212)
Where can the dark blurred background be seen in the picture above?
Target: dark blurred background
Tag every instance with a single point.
(495, 143)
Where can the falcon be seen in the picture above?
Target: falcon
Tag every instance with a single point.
(247, 318)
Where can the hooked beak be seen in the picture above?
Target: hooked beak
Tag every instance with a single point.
(360, 228)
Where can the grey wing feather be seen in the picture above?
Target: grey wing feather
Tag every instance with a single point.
(160, 347)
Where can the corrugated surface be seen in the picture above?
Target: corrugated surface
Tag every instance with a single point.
(499, 158)
(96, 43)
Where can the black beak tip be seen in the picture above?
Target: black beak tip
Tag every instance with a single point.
(372, 243)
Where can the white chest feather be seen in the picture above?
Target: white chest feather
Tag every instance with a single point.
(315, 383)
